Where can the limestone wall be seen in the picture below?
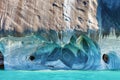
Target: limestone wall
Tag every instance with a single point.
(33, 15)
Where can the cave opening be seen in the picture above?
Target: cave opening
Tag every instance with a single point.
(1, 61)
(32, 57)
(105, 58)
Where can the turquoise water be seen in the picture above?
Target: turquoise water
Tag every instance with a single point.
(59, 75)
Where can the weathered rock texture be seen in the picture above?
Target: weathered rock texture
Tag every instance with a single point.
(33, 15)
(109, 15)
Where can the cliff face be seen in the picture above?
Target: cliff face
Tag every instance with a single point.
(19, 16)
(56, 27)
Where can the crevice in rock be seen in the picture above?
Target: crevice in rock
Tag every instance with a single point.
(80, 9)
(67, 17)
(80, 19)
(56, 5)
(85, 3)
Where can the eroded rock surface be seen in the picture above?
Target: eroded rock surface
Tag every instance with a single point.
(108, 17)
(18, 16)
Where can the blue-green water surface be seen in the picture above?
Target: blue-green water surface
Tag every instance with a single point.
(59, 75)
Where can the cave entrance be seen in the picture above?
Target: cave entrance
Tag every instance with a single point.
(1, 61)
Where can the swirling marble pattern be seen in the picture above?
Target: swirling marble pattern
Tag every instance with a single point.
(32, 53)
